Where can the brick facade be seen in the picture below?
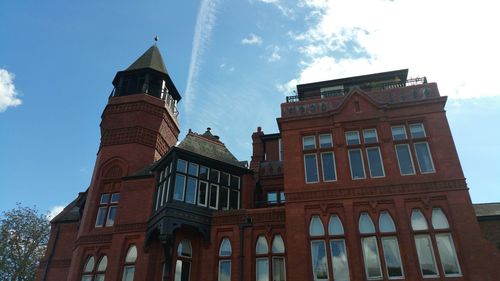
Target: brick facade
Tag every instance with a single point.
(138, 160)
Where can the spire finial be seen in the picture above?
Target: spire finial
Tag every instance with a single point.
(157, 38)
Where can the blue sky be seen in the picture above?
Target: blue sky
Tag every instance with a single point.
(233, 62)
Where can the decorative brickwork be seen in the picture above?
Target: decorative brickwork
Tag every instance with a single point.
(134, 135)
(338, 193)
(386, 97)
(94, 239)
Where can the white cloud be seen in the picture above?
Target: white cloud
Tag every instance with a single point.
(457, 49)
(54, 211)
(252, 39)
(284, 10)
(205, 23)
(8, 94)
(275, 56)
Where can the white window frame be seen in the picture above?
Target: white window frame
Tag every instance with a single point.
(454, 250)
(331, 140)
(331, 254)
(284, 265)
(183, 189)
(376, 135)
(228, 178)
(218, 175)
(197, 169)
(404, 130)
(362, 163)
(187, 166)
(312, 259)
(430, 157)
(166, 186)
(210, 196)
(105, 216)
(381, 161)
(433, 253)
(303, 142)
(230, 265)
(347, 140)
(395, 238)
(377, 255)
(423, 130)
(238, 199)
(305, 168)
(257, 268)
(411, 159)
(323, 167)
(228, 192)
(195, 190)
(108, 223)
(206, 193)
(208, 173)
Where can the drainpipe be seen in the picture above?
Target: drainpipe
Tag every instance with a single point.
(51, 253)
(248, 223)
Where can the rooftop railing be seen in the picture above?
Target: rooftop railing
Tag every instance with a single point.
(376, 86)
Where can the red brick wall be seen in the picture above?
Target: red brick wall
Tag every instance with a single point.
(490, 230)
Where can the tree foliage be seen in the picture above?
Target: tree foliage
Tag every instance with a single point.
(24, 234)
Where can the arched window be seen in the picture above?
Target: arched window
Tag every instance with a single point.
(88, 269)
(278, 258)
(318, 249)
(371, 256)
(338, 251)
(183, 263)
(390, 246)
(101, 269)
(276, 255)
(225, 252)
(440, 235)
(262, 261)
(129, 265)
(371, 240)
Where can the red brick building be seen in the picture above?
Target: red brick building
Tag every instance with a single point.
(362, 182)
(488, 216)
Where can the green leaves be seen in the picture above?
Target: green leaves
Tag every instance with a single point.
(24, 234)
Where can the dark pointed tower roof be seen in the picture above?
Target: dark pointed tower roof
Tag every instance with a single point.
(150, 59)
(148, 66)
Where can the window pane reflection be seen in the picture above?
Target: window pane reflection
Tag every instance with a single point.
(371, 257)
(339, 260)
(392, 257)
(319, 261)
(425, 255)
(447, 254)
(262, 268)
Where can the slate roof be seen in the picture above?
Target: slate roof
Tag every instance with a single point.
(209, 146)
(487, 209)
(150, 59)
(71, 213)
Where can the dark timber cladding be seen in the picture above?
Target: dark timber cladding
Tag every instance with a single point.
(362, 182)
